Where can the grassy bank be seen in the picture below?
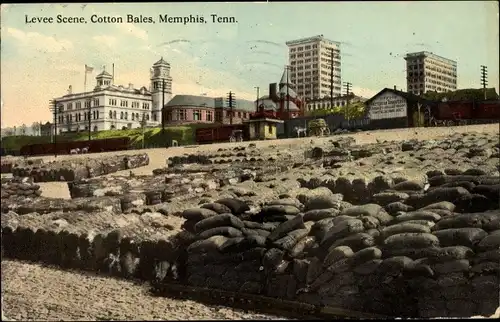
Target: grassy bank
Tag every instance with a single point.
(184, 135)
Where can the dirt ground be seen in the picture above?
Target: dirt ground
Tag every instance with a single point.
(33, 292)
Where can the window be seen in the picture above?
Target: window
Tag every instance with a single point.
(78, 105)
(155, 117)
(70, 106)
(145, 106)
(110, 114)
(209, 116)
(94, 114)
(121, 115)
(218, 116)
(137, 116)
(270, 128)
(133, 117)
(239, 114)
(95, 128)
(87, 104)
(135, 104)
(124, 103)
(114, 114)
(181, 114)
(96, 102)
(126, 115)
(112, 102)
(196, 115)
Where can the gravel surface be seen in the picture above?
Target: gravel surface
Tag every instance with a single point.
(32, 292)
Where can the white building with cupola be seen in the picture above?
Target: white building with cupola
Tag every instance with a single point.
(111, 106)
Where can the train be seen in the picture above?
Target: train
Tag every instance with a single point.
(463, 112)
(94, 146)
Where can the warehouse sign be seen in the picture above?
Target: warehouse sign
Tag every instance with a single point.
(387, 106)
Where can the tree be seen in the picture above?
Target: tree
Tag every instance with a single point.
(36, 127)
(23, 129)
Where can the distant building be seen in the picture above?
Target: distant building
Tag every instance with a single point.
(326, 103)
(282, 99)
(46, 129)
(186, 109)
(311, 62)
(111, 106)
(426, 72)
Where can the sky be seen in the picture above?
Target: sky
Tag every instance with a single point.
(40, 60)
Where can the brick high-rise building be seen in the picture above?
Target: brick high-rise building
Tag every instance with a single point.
(310, 61)
(426, 72)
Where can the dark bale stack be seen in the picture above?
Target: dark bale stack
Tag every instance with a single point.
(16, 188)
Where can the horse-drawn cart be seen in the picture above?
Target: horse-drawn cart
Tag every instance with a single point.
(318, 127)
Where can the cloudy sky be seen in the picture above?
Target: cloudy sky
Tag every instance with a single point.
(39, 61)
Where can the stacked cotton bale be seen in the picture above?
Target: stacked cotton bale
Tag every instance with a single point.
(101, 241)
(47, 205)
(16, 188)
(74, 170)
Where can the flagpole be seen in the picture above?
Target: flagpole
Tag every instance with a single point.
(85, 81)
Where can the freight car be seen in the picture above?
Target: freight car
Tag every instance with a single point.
(95, 146)
(463, 113)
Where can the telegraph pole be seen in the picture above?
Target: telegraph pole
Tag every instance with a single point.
(347, 86)
(287, 68)
(231, 105)
(89, 119)
(484, 79)
(53, 106)
(331, 78)
(258, 95)
(162, 110)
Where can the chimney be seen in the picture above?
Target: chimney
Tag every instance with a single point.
(130, 85)
(273, 95)
(395, 88)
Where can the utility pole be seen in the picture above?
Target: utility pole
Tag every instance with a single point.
(162, 110)
(89, 119)
(287, 68)
(331, 78)
(258, 95)
(347, 86)
(53, 106)
(231, 105)
(484, 79)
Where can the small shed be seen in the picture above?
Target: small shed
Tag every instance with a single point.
(262, 128)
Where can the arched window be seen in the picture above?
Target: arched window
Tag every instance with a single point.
(121, 115)
(133, 117)
(110, 114)
(114, 114)
(126, 115)
(137, 116)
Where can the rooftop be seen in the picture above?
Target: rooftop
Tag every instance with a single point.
(309, 39)
(427, 53)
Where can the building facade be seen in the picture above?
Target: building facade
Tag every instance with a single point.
(188, 109)
(312, 63)
(109, 106)
(282, 99)
(426, 72)
(326, 103)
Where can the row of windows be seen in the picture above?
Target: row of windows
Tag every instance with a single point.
(78, 105)
(78, 117)
(306, 47)
(124, 103)
(124, 116)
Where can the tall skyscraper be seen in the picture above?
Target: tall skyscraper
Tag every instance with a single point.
(311, 66)
(426, 72)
